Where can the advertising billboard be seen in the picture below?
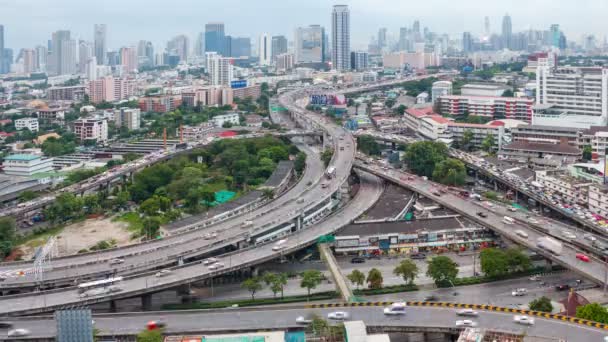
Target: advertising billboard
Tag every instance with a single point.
(238, 84)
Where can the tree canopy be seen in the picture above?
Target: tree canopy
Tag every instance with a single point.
(407, 269)
(450, 172)
(422, 157)
(374, 279)
(368, 145)
(311, 279)
(442, 270)
(356, 277)
(541, 304)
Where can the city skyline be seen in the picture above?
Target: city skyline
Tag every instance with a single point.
(279, 18)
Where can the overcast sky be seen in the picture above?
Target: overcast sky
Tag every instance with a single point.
(30, 22)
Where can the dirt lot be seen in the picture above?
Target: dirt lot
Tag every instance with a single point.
(83, 235)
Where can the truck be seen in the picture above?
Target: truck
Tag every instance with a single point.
(549, 244)
(330, 172)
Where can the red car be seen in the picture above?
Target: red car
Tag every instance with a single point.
(582, 257)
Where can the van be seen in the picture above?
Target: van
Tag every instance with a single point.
(521, 233)
(508, 220)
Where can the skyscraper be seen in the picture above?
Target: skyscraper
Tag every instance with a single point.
(63, 55)
(179, 46)
(215, 39)
(279, 46)
(487, 27)
(309, 44)
(555, 35)
(85, 52)
(41, 58)
(220, 69)
(145, 53)
(128, 59)
(101, 48)
(264, 49)
(507, 31)
(240, 47)
(2, 49)
(382, 38)
(340, 48)
(467, 42)
(416, 31)
(199, 45)
(28, 57)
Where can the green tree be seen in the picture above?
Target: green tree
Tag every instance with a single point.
(268, 193)
(252, 285)
(494, 262)
(300, 162)
(151, 227)
(407, 269)
(594, 312)
(66, 206)
(467, 138)
(7, 235)
(27, 195)
(587, 152)
(311, 279)
(400, 109)
(227, 124)
(389, 103)
(155, 335)
(442, 270)
(326, 156)
(488, 143)
(276, 281)
(368, 145)
(374, 279)
(517, 260)
(450, 172)
(508, 93)
(541, 304)
(356, 277)
(423, 156)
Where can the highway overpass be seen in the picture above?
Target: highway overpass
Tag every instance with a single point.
(416, 319)
(595, 270)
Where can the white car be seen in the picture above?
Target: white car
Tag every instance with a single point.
(467, 312)
(519, 292)
(209, 261)
(525, 320)
(338, 315)
(590, 237)
(303, 320)
(163, 273)
(467, 323)
(395, 309)
(216, 266)
(117, 261)
(18, 332)
(568, 235)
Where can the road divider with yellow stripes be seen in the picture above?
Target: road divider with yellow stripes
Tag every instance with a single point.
(547, 315)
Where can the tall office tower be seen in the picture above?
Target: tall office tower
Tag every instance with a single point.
(487, 27)
(240, 47)
(554, 35)
(99, 34)
(85, 52)
(179, 46)
(215, 39)
(199, 45)
(382, 44)
(403, 33)
(279, 46)
(7, 59)
(128, 59)
(340, 48)
(264, 49)
(220, 69)
(63, 54)
(467, 42)
(28, 56)
(145, 53)
(2, 50)
(582, 93)
(91, 72)
(416, 31)
(41, 58)
(507, 31)
(359, 60)
(309, 44)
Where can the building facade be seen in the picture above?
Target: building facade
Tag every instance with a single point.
(309, 44)
(25, 165)
(340, 48)
(27, 123)
(71, 93)
(492, 107)
(91, 129)
(265, 49)
(440, 88)
(220, 70)
(220, 120)
(359, 60)
(129, 118)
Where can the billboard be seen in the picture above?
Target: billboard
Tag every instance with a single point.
(328, 100)
(238, 84)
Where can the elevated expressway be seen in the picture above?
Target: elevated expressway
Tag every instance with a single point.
(416, 319)
(594, 270)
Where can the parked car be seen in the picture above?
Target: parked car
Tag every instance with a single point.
(525, 320)
(357, 260)
(418, 256)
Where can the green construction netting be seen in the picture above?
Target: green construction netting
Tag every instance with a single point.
(221, 197)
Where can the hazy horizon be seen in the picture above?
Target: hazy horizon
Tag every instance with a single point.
(30, 22)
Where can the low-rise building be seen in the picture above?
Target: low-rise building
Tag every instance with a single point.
(91, 129)
(563, 183)
(25, 165)
(253, 91)
(598, 200)
(546, 134)
(254, 120)
(160, 103)
(479, 133)
(595, 137)
(487, 89)
(220, 120)
(195, 133)
(71, 93)
(435, 127)
(128, 117)
(487, 106)
(542, 154)
(412, 116)
(27, 123)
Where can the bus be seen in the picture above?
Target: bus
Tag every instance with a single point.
(98, 283)
(331, 172)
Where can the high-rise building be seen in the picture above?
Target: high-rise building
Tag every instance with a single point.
(63, 55)
(199, 45)
(220, 69)
(279, 46)
(74, 325)
(91, 129)
(382, 43)
(91, 70)
(580, 93)
(110, 89)
(179, 46)
(340, 48)
(85, 52)
(128, 59)
(416, 31)
(128, 117)
(41, 58)
(264, 49)
(554, 35)
(99, 34)
(240, 47)
(285, 61)
(7, 59)
(215, 39)
(28, 57)
(309, 44)
(145, 53)
(359, 60)
(507, 31)
(486, 27)
(467, 42)
(2, 50)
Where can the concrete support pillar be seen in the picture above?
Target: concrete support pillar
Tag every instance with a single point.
(516, 196)
(495, 186)
(112, 306)
(146, 302)
(254, 271)
(548, 265)
(299, 222)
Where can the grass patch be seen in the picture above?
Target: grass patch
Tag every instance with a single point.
(248, 302)
(480, 280)
(133, 220)
(38, 237)
(386, 290)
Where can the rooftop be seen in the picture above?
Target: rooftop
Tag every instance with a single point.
(22, 157)
(546, 148)
(381, 228)
(484, 86)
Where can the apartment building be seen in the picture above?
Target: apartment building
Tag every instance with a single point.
(26, 165)
(111, 89)
(91, 129)
(487, 106)
(128, 117)
(597, 138)
(27, 123)
(73, 93)
(159, 103)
